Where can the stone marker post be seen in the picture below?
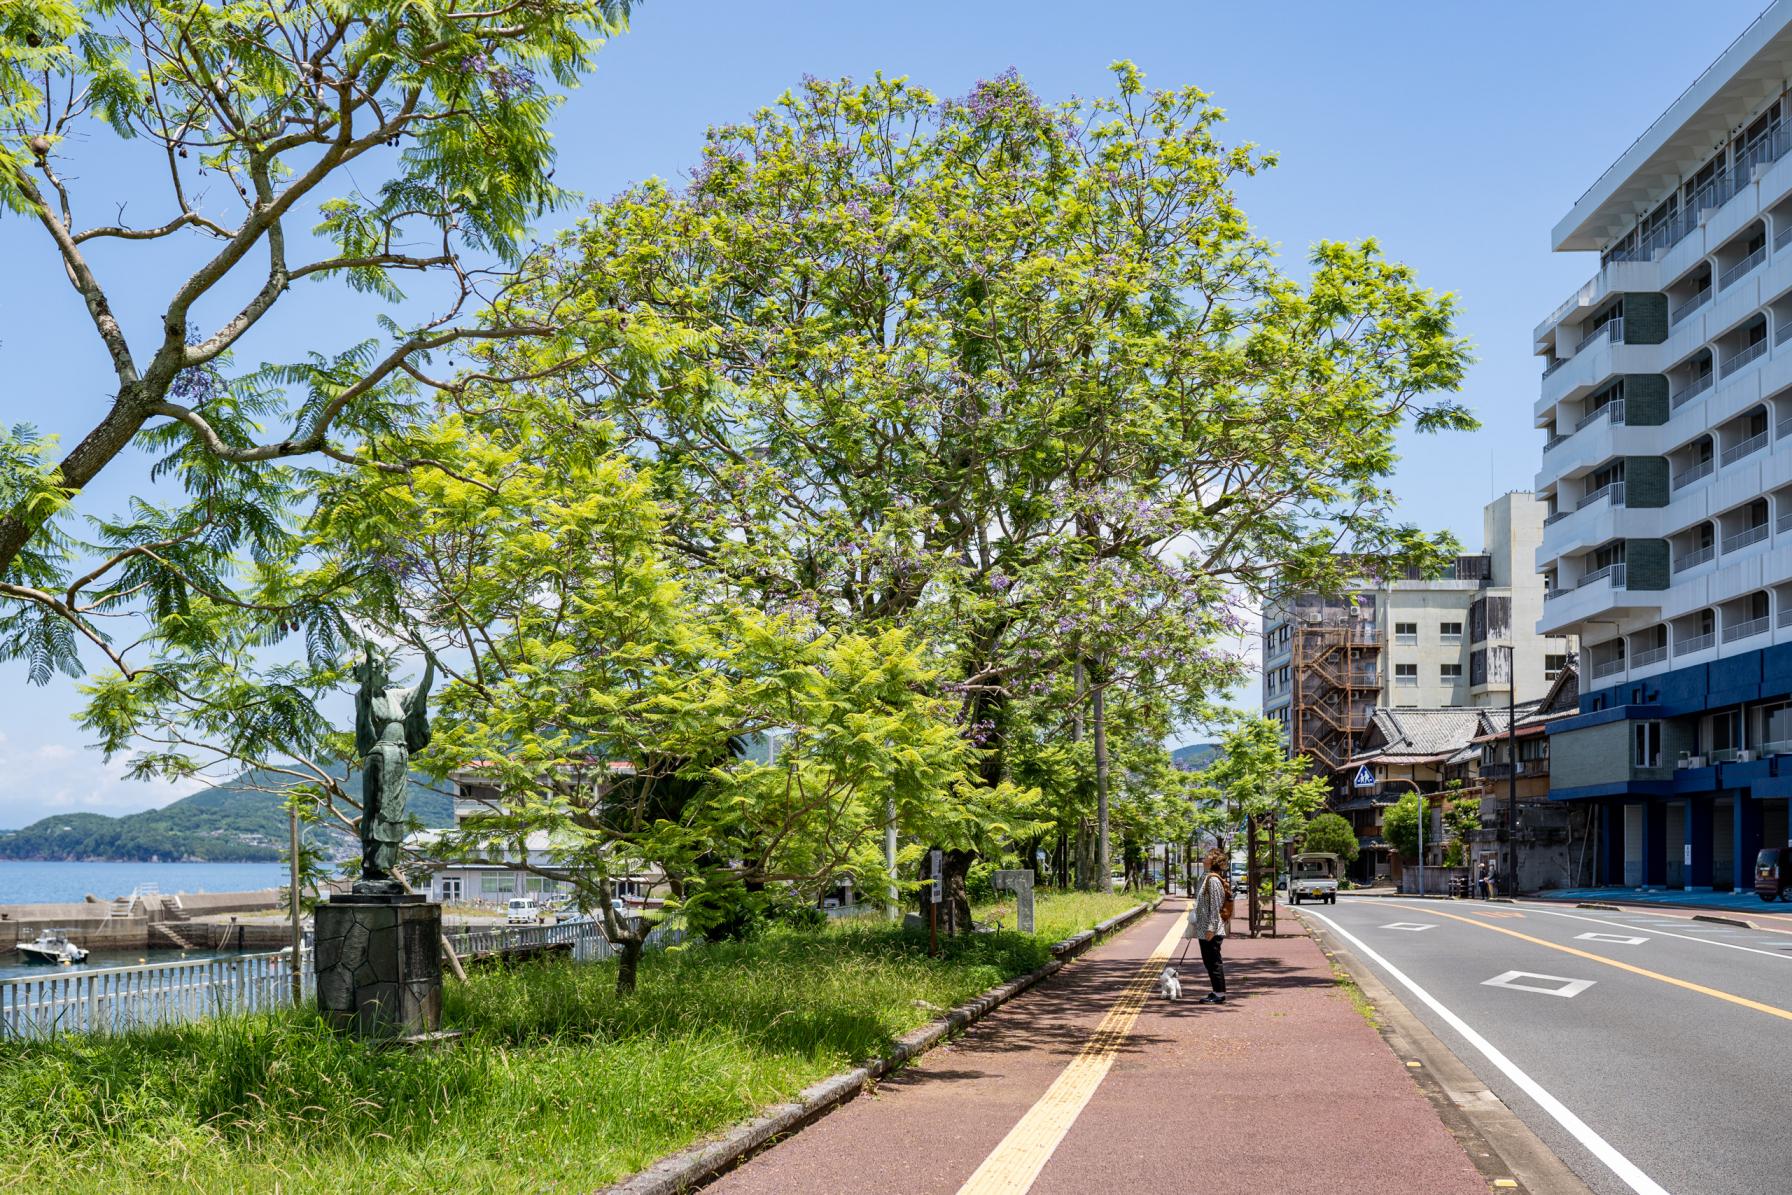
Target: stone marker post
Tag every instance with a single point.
(1021, 884)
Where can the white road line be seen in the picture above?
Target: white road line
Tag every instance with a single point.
(1627, 1171)
(1661, 933)
(1617, 939)
(1414, 926)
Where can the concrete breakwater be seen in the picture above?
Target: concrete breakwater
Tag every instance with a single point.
(148, 920)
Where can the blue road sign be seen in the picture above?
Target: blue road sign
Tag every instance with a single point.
(1364, 777)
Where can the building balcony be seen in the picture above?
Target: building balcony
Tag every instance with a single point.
(1736, 452)
(1613, 410)
(1694, 643)
(1695, 558)
(1747, 630)
(1613, 491)
(1679, 313)
(1693, 473)
(1743, 358)
(1648, 656)
(1604, 668)
(1691, 390)
(1612, 572)
(1745, 538)
(1741, 269)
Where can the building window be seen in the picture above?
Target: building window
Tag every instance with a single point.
(497, 884)
(1553, 665)
(1406, 674)
(1449, 672)
(1406, 633)
(1450, 632)
(1646, 737)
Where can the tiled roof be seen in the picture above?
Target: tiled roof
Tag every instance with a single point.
(1421, 733)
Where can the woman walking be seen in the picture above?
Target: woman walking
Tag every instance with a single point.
(1208, 926)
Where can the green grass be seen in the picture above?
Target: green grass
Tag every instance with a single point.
(556, 1085)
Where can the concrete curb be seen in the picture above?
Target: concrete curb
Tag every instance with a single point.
(1744, 922)
(691, 1168)
(1587, 904)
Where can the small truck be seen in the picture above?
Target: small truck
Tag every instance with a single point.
(1314, 876)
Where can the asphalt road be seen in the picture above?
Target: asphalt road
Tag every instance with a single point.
(1653, 1056)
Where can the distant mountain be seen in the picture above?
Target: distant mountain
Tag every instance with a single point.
(234, 822)
(1195, 756)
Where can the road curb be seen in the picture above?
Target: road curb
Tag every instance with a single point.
(1588, 904)
(1500, 1145)
(691, 1168)
(1744, 922)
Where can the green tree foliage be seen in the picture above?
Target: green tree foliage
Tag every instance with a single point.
(263, 145)
(1462, 817)
(1400, 825)
(1018, 375)
(1331, 834)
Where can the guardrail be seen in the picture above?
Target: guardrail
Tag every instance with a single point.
(116, 999)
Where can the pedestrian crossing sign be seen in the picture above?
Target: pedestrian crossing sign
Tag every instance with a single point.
(1364, 777)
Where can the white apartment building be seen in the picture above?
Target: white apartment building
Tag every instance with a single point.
(1413, 644)
(1666, 404)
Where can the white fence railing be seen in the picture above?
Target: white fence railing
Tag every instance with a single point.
(115, 999)
(586, 939)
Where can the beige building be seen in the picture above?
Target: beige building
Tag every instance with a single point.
(1330, 661)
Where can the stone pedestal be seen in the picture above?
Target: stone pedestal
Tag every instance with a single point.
(379, 964)
(1021, 884)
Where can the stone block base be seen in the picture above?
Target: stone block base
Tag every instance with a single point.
(379, 965)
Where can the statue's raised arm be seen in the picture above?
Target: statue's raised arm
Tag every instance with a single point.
(416, 711)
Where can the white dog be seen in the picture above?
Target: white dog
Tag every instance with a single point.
(1169, 985)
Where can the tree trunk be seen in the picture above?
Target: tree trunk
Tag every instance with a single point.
(627, 963)
(1103, 872)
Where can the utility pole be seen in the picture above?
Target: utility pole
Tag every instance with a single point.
(1512, 776)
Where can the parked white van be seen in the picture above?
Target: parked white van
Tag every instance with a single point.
(523, 911)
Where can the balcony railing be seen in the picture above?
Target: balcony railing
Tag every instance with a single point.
(1745, 630)
(1553, 364)
(1558, 439)
(1613, 328)
(1783, 332)
(1614, 571)
(1736, 272)
(1607, 668)
(1785, 523)
(1685, 647)
(1692, 389)
(1648, 656)
(1401, 679)
(1550, 594)
(1742, 539)
(1691, 305)
(1744, 357)
(1736, 452)
(1614, 491)
(1693, 473)
(1695, 558)
(1786, 617)
(1783, 428)
(1613, 410)
(1783, 237)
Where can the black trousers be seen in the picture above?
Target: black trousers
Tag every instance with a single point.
(1210, 958)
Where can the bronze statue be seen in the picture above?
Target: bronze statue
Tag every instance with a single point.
(390, 723)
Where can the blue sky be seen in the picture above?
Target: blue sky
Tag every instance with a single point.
(1456, 133)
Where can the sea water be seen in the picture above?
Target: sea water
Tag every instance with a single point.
(25, 883)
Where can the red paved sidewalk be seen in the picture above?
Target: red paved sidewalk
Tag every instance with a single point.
(1286, 1089)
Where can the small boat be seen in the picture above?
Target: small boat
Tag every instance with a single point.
(52, 946)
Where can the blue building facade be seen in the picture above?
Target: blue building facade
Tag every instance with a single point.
(1687, 773)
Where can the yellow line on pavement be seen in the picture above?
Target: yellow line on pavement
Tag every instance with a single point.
(1690, 986)
(1014, 1165)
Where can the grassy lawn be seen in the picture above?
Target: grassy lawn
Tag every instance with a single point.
(557, 1085)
